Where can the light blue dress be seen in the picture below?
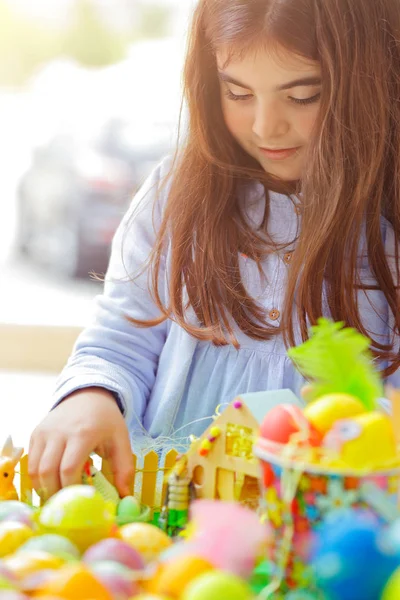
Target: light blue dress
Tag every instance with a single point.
(169, 383)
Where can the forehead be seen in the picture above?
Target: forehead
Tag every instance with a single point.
(268, 66)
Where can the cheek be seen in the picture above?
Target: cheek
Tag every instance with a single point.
(306, 124)
(237, 120)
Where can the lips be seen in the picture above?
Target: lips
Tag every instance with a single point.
(279, 154)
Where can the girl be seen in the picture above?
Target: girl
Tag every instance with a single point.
(282, 205)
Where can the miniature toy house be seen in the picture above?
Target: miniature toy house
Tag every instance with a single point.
(221, 463)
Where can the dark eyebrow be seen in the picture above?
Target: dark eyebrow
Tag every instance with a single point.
(305, 81)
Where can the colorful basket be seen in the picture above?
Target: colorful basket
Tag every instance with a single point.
(298, 497)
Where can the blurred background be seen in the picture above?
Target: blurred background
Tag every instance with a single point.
(90, 95)
(89, 104)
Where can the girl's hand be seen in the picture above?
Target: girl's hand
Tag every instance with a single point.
(88, 420)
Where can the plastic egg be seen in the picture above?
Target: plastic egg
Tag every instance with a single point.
(282, 421)
(115, 550)
(392, 588)
(24, 564)
(349, 554)
(147, 539)
(151, 597)
(12, 536)
(328, 409)
(80, 513)
(216, 585)
(174, 576)
(116, 578)
(52, 543)
(14, 510)
(128, 510)
(364, 441)
(75, 582)
(36, 580)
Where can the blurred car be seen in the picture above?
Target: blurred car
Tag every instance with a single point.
(72, 199)
(83, 175)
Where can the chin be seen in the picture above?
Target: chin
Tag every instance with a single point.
(281, 171)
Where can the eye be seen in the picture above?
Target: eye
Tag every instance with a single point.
(304, 101)
(5, 474)
(237, 97)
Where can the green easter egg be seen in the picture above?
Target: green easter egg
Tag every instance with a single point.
(52, 543)
(392, 588)
(128, 508)
(76, 507)
(215, 585)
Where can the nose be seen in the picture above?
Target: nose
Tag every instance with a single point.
(270, 122)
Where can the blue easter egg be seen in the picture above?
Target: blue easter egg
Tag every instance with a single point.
(349, 559)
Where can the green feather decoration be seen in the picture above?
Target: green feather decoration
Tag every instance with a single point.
(336, 359)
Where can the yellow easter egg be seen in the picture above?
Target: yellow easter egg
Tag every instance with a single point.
(75, 582)
(12, 536)
(147, 539)
(27, 563)
(175, 575)
(323, 412)
(364, 442)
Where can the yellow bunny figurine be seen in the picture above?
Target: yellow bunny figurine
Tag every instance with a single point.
(9, 458)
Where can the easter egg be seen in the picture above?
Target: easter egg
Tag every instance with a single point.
(174, 576)
(151, 597)
(116, 578)
(216, 585)
(12, 536)
(323, 412)
(26, 563)
(75, 582)
(36, 580)
(52, 543)
(364, 441)
(284, 420)
(392, 588)
(116, 550)
(14, 510)
(128, 510)
(147, 539)
(80, 513)
(349, 555)
(13, 595)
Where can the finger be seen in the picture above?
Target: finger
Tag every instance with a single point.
(49, 467)
(73, 461)
(36, 448)
(121, 462)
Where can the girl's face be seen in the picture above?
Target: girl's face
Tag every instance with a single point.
(270, 102)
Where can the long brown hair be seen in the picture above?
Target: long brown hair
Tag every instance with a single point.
(352, 177)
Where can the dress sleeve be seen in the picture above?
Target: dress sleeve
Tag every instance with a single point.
(112, 352)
